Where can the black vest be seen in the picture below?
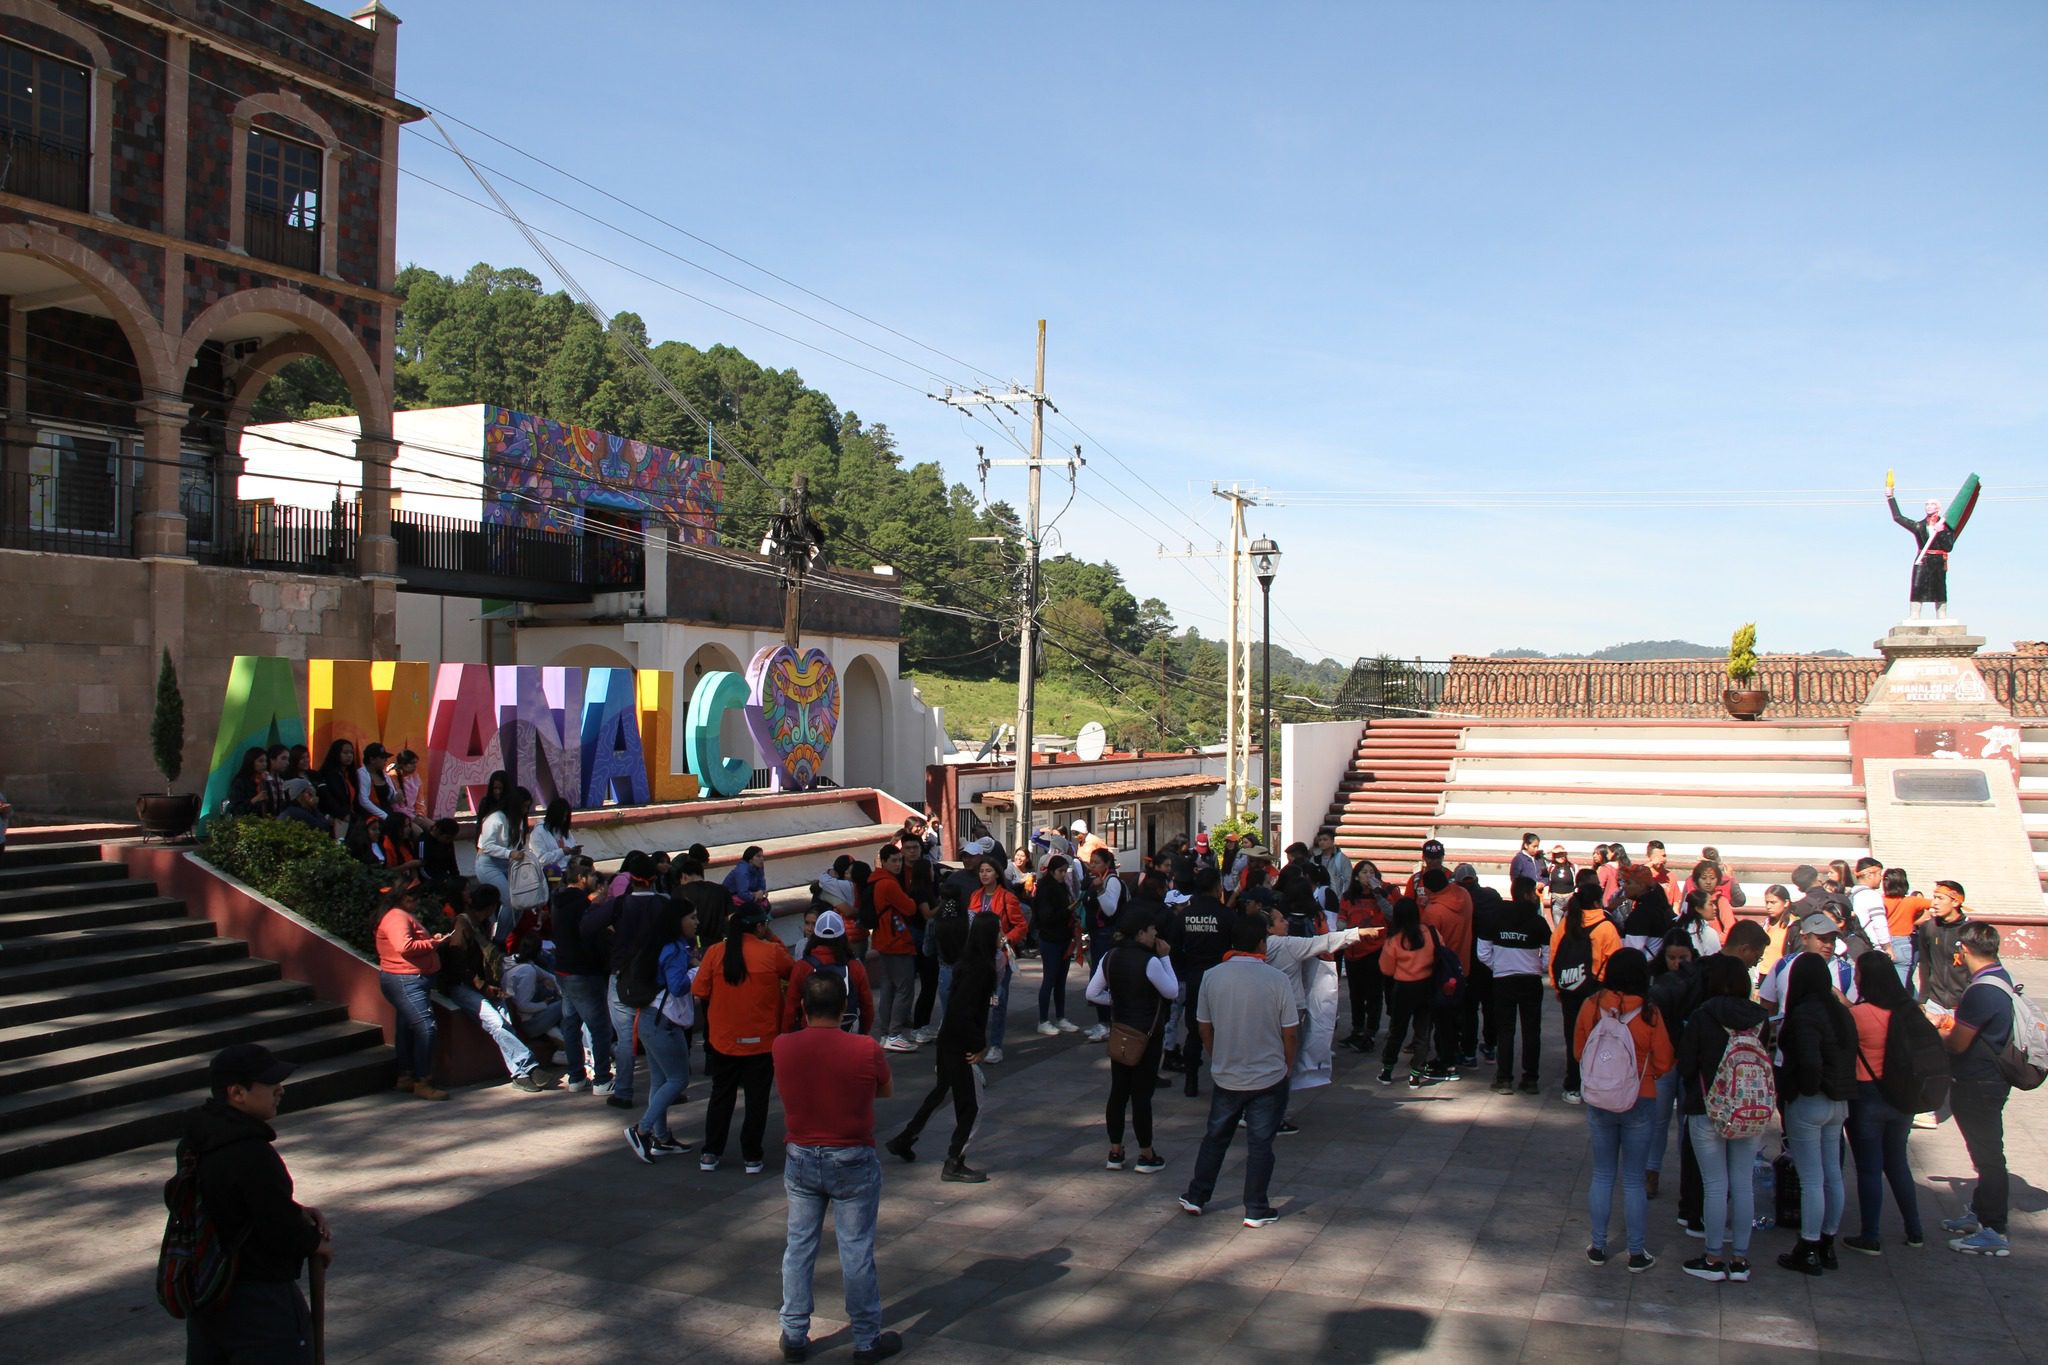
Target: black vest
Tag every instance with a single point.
(1133, 999)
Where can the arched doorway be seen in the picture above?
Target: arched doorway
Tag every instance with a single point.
(863, 740)
(591, 656)
(734, 740)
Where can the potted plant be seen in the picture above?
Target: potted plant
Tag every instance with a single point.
(162, 814)
(1744, 702)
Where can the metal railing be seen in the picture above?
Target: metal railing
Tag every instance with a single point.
(41, 169)
(322, 540)
(68, 515)
(279, 235)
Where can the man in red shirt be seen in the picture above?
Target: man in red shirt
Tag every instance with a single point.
(829, 1082)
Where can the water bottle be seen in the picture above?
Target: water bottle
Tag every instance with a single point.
(1764, 1182)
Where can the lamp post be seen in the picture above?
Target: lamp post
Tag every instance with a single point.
(1266, 564)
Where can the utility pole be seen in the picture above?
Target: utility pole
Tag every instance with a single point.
(1237, 743)
(1027, 616)
(799, 541)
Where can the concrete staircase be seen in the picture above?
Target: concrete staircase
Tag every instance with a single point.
(112, 1001)
(1766, 796)
(2034, 795)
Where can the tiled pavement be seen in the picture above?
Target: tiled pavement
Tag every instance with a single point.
(1448, 1223)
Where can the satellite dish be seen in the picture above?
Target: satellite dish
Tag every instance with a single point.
(1089, 744)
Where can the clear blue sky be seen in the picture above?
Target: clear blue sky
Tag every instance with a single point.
(1631, 251)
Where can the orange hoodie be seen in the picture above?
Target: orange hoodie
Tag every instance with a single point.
(1653, 1041)
(894, 911)
(1001, 902)
(1606, 938)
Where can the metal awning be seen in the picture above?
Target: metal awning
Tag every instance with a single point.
(1098, 793)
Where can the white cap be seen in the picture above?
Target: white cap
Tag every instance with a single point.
(1078, 827)
(978, 848)
(829, 925)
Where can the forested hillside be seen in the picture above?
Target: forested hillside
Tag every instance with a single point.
(496, 336)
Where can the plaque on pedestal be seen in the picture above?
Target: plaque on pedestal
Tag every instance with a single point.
(1931, 674)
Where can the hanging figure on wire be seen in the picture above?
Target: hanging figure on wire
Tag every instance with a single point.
(1936, 534)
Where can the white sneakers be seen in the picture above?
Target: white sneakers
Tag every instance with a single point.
(1064, 1027)
(896, 1042)
(928, 1034)
(992, 1056)
(1097, 1033)
(1048, 1031)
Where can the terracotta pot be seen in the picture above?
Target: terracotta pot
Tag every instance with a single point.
(1746, 703)
(164, 816)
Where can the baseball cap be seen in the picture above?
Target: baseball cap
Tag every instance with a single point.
(1202, 840)
(830, 925)
(247, 1064)
(1464, 872)
(1432, 848)
(1817, 923)
(296, 788)
(979, 848)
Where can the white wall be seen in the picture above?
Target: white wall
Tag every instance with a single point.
(1313, 759)
(438, 469)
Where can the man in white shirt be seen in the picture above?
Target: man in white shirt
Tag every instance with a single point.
(1866, 904)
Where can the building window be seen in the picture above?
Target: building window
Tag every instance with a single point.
(281, 216)
(1120, 828)
(45, 127)
(75, 484)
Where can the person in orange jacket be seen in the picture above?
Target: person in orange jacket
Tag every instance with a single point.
(1621, 1141)
(992, 897)
(1585, 938)
(892, 963)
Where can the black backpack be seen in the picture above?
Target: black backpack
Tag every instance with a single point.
(1572, 968)
(850, 1017)
(1916, 1074)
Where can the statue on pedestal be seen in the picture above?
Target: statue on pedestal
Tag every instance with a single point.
(1935, 533)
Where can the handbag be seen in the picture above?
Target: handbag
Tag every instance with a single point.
(1128, 1045)
(526, 885)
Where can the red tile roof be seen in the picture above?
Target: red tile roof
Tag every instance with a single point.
(1091, 793)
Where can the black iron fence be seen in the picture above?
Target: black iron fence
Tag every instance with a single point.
(40, 168)
(77, 513)
(320, 540)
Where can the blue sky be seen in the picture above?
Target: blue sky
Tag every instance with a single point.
(1640, 254)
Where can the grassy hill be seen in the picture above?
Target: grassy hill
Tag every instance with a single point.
(974, 706)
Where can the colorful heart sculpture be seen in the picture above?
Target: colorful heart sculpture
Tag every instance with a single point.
(793, 712)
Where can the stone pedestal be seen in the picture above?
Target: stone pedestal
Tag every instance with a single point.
(1931, 674)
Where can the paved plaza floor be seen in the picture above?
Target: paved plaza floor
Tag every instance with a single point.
(1448, 1223)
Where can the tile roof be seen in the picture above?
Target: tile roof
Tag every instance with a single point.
(1090, 793)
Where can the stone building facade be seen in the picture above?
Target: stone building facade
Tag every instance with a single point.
(192, 194)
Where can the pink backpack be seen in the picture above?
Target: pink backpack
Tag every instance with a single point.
(1609, 1076)
(1744, 1094)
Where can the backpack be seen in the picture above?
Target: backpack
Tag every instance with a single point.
(1916, 1072)
(2023, 1063)
(1572, 968)
(1744, 1094)
(849, 1018)
(1448, 980)
(195, 1266)
(1610, 1078)
(680, 1010)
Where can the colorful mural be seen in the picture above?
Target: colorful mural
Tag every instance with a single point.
(540, 474)
(793, 712)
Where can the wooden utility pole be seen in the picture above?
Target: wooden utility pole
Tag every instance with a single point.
(1027, 613)
(793, 537)
(1237, 743)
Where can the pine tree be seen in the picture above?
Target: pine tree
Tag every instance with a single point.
(167, 726)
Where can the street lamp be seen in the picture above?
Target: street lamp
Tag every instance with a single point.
(1266, 564)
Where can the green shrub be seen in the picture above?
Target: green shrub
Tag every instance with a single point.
(302, 869)
(1742, 655)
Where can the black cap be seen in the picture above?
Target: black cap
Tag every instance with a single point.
(1432, 848)
(248, 1064)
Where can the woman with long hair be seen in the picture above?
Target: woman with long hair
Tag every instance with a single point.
(1364, 906)
(1727, 1190)
(962, 1036)
(1621, 1140)
(408, 959)
(1903, 911)
(1407, 962)
(1878, 1130)
(1723, 895)
(1674, 990)
(1779, 917)
(247, 794)
(1815, 1085)
(336, 781)
(1054, 924)
(1580, 946)
(496, 789)
(992, 896)
(1135, 980)
(663, 1027)
(1696, 922)
(739, 987)
(501, 842)
(550, 844)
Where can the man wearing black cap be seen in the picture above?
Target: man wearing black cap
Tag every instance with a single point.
(1432, 856)
(247, 1192)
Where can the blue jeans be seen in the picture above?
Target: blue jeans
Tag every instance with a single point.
(939, 1000)
(541, 1020)
(412, 1003)
(1907, 960)
(999, 1012)
(1055, 955)
(1877, 1139)
(1621, 1142)
(1813, 1130)
(1262, 1111)
(1660, 1119)
(497, 1023)
(622, 1040)
(850, 1180)
(583, 1008)
(668, 1069)
(1728, 1206)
